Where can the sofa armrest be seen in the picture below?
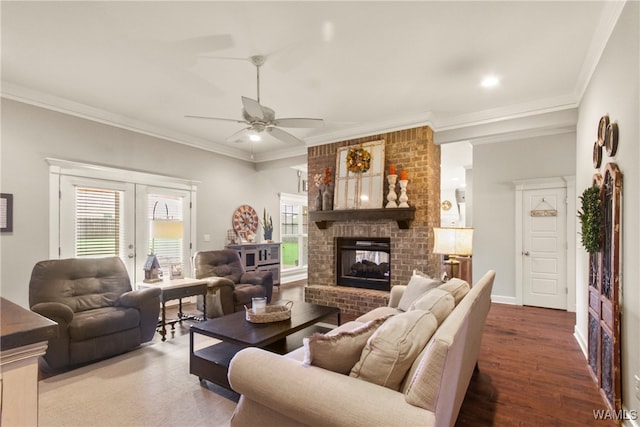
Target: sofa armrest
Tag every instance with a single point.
(396, 293)
(56, 311)
(138, 298)
(344, 400)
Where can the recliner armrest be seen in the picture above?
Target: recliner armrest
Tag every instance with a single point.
(214, 282)
(257, 277)
(55, 311)
(139, 297)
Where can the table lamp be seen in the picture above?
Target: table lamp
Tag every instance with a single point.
(453, 242)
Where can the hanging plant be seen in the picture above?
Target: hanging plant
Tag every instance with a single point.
(591, 219)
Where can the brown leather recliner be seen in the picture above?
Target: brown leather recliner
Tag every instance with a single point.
(98, 314)
(230, 286)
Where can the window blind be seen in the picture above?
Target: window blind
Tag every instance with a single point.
(98, 226)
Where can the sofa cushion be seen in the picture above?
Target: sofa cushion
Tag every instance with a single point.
(341, 351)
(391, 350)
(416, 287)
(437, 301)
(102, 321)
(376, 313)
(458, 288)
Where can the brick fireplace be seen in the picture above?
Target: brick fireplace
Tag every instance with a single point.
(414, 151)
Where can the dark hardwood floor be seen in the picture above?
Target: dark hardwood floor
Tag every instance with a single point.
(531, 369)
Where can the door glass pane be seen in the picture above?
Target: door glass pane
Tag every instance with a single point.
(293, 227)
(166, 230)
(98, 230)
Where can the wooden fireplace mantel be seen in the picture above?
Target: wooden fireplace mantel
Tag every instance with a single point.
(403, 216)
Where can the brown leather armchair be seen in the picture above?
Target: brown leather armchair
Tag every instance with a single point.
(230, 286)
(98, 314)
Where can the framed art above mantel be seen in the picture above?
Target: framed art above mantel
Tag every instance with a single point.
(359, 184)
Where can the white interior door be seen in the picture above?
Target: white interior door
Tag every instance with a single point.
(544, 248)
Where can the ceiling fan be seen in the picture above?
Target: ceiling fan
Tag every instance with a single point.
(261, 118)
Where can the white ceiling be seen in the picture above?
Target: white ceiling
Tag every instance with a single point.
(362, 66)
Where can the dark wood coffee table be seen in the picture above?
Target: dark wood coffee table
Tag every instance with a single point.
(235, 332)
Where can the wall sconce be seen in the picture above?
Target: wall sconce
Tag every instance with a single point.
(453, 242)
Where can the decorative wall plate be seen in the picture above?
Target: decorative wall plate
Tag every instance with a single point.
(602, 130)
(245, 220)
(597, 154)
(446, 205)
(611, 139)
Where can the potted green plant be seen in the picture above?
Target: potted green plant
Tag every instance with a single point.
(591, 219)
(267, 226)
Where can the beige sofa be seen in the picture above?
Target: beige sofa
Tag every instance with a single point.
(283, 391)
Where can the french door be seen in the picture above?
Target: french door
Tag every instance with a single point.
(95, 217)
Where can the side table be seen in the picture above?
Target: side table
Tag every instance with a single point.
(178, 289)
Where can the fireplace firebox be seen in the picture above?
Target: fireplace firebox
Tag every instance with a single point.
(363, 262)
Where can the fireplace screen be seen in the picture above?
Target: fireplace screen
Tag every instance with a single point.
(363, 262)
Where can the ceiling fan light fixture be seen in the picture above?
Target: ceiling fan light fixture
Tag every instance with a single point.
(255, 137)
(490, 81)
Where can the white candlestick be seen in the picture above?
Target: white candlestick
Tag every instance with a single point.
(403, 194)
(391, 197)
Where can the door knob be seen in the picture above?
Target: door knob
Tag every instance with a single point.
(130, 255)
(525, 253)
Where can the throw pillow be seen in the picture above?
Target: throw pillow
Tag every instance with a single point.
(458, 288)
(416, 287)
(339, 352)
(392, 349)
(438, 301)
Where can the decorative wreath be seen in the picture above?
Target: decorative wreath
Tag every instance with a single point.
(358, 160)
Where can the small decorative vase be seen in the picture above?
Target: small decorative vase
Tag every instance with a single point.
(403, 194)
(317, 205)
(268, 235)
(327, 200)
(392, 196)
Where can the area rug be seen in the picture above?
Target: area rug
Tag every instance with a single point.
(150, 386)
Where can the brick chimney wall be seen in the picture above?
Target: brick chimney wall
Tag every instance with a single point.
(412, 150)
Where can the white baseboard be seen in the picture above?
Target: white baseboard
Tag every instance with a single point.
(582, 342)
(504, 300)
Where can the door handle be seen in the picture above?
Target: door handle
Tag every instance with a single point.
(525, 253)
(131, 255)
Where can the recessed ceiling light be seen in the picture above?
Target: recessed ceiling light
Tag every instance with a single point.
(254, 137)
(490, 81)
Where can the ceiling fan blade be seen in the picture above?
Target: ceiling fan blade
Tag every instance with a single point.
(299, 123)
(253, 108)
(217, 118)
(284, 136)
(236, 137)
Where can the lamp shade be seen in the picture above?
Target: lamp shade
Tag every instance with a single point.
(453, 241)
(166, 229)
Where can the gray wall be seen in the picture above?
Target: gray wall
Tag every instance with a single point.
(31, 134)
(613, 90)
(495, 167)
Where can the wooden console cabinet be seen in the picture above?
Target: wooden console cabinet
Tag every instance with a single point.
(260, 257)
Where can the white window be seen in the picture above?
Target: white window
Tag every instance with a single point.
(293, 234)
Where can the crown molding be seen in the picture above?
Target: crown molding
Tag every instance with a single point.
(54, 103)
(601, 34)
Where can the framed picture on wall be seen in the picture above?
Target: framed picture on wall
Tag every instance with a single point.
(359, 176)
(6, 212)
